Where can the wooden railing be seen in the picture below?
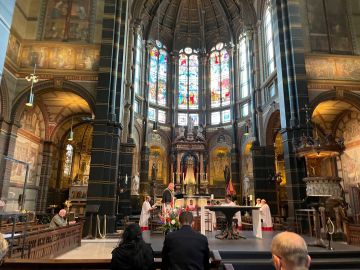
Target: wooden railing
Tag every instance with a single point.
(353, 234)
(76, 264)
(47, 243)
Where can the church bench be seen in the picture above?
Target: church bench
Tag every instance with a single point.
(48, 243)
(81, 264)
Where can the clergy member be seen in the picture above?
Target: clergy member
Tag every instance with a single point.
(229, 202)
(167, 197)
(258, 202)
(265, 216)
(145, 214)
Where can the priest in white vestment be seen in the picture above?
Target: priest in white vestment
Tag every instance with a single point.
(145, 214)
(265, 214)
(258, 202)
(229, 202)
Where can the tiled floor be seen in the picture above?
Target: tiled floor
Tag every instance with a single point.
(101, 248)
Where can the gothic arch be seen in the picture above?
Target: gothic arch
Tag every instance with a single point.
(343, 95)
(46, 86)
(272, 124)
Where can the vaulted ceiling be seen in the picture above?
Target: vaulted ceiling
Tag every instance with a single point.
(198, 24)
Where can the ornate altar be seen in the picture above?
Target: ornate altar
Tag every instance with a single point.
(188, 166)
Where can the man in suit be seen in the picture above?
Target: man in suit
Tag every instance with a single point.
(185, 249)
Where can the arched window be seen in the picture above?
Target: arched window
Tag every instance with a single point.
(244, 68)
(269, 44)
(158, 74)
(137, 75)
(188, 79)
(219, 76)
(68, 160)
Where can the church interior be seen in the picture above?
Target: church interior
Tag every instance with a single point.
(104, 102)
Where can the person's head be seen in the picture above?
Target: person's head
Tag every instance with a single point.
(132, 233)
(191, 202)
(228, 199)
(3, 246)
(148, 198)
(171, 186)
(263, 201)
(62, 213)
(289, 252)
(258, 201)
(186, 218)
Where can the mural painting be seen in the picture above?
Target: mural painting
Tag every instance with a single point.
(60, 57)
(28, 151)
(13, 49)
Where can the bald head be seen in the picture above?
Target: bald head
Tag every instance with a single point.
(290, 252)
(171, 186)
(62, 213)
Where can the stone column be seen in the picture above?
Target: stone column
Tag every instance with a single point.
(145, 151)
(293, 94)
(107, 128)
(44, 177)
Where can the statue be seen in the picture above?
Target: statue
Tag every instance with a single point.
(181, 134)
(135, 184)
(190, 126)
(227, 174)
(246, 185)
(199, 133)
(153, 172)
(190, 172)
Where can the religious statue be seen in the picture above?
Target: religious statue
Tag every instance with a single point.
(199, 133)
(181, 133)
(190, 172)
(135, 184)
(227, 174)
(246, 185)
(153, 172)
(190, 126)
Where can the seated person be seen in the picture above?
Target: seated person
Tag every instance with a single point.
(59, 220)
(191, 206)
(132, 253)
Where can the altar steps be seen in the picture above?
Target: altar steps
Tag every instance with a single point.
(330, 260)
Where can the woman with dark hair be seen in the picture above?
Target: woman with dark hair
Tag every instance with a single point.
(132, 253)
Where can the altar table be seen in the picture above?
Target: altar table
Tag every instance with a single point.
(229, 212)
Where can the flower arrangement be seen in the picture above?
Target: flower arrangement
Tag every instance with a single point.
(170, 219)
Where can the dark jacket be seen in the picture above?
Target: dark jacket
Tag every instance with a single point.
(185, 249)
(166, 196)
(133, 257)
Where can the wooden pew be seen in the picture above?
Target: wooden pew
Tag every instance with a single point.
(81, 264)
(353, 234)
(48, 243)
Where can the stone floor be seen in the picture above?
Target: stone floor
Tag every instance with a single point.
(101, 248)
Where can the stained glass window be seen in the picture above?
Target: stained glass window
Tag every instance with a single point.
(161, 116)
(68, 160)
(182, 119)
(215, 118)
(244, 69)
(220, 76)
(195, 118)
(158, 74)
(188, 79)
(269, 44)
(137, 75)
(245, 110)
(226, 116)
(151, 114)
